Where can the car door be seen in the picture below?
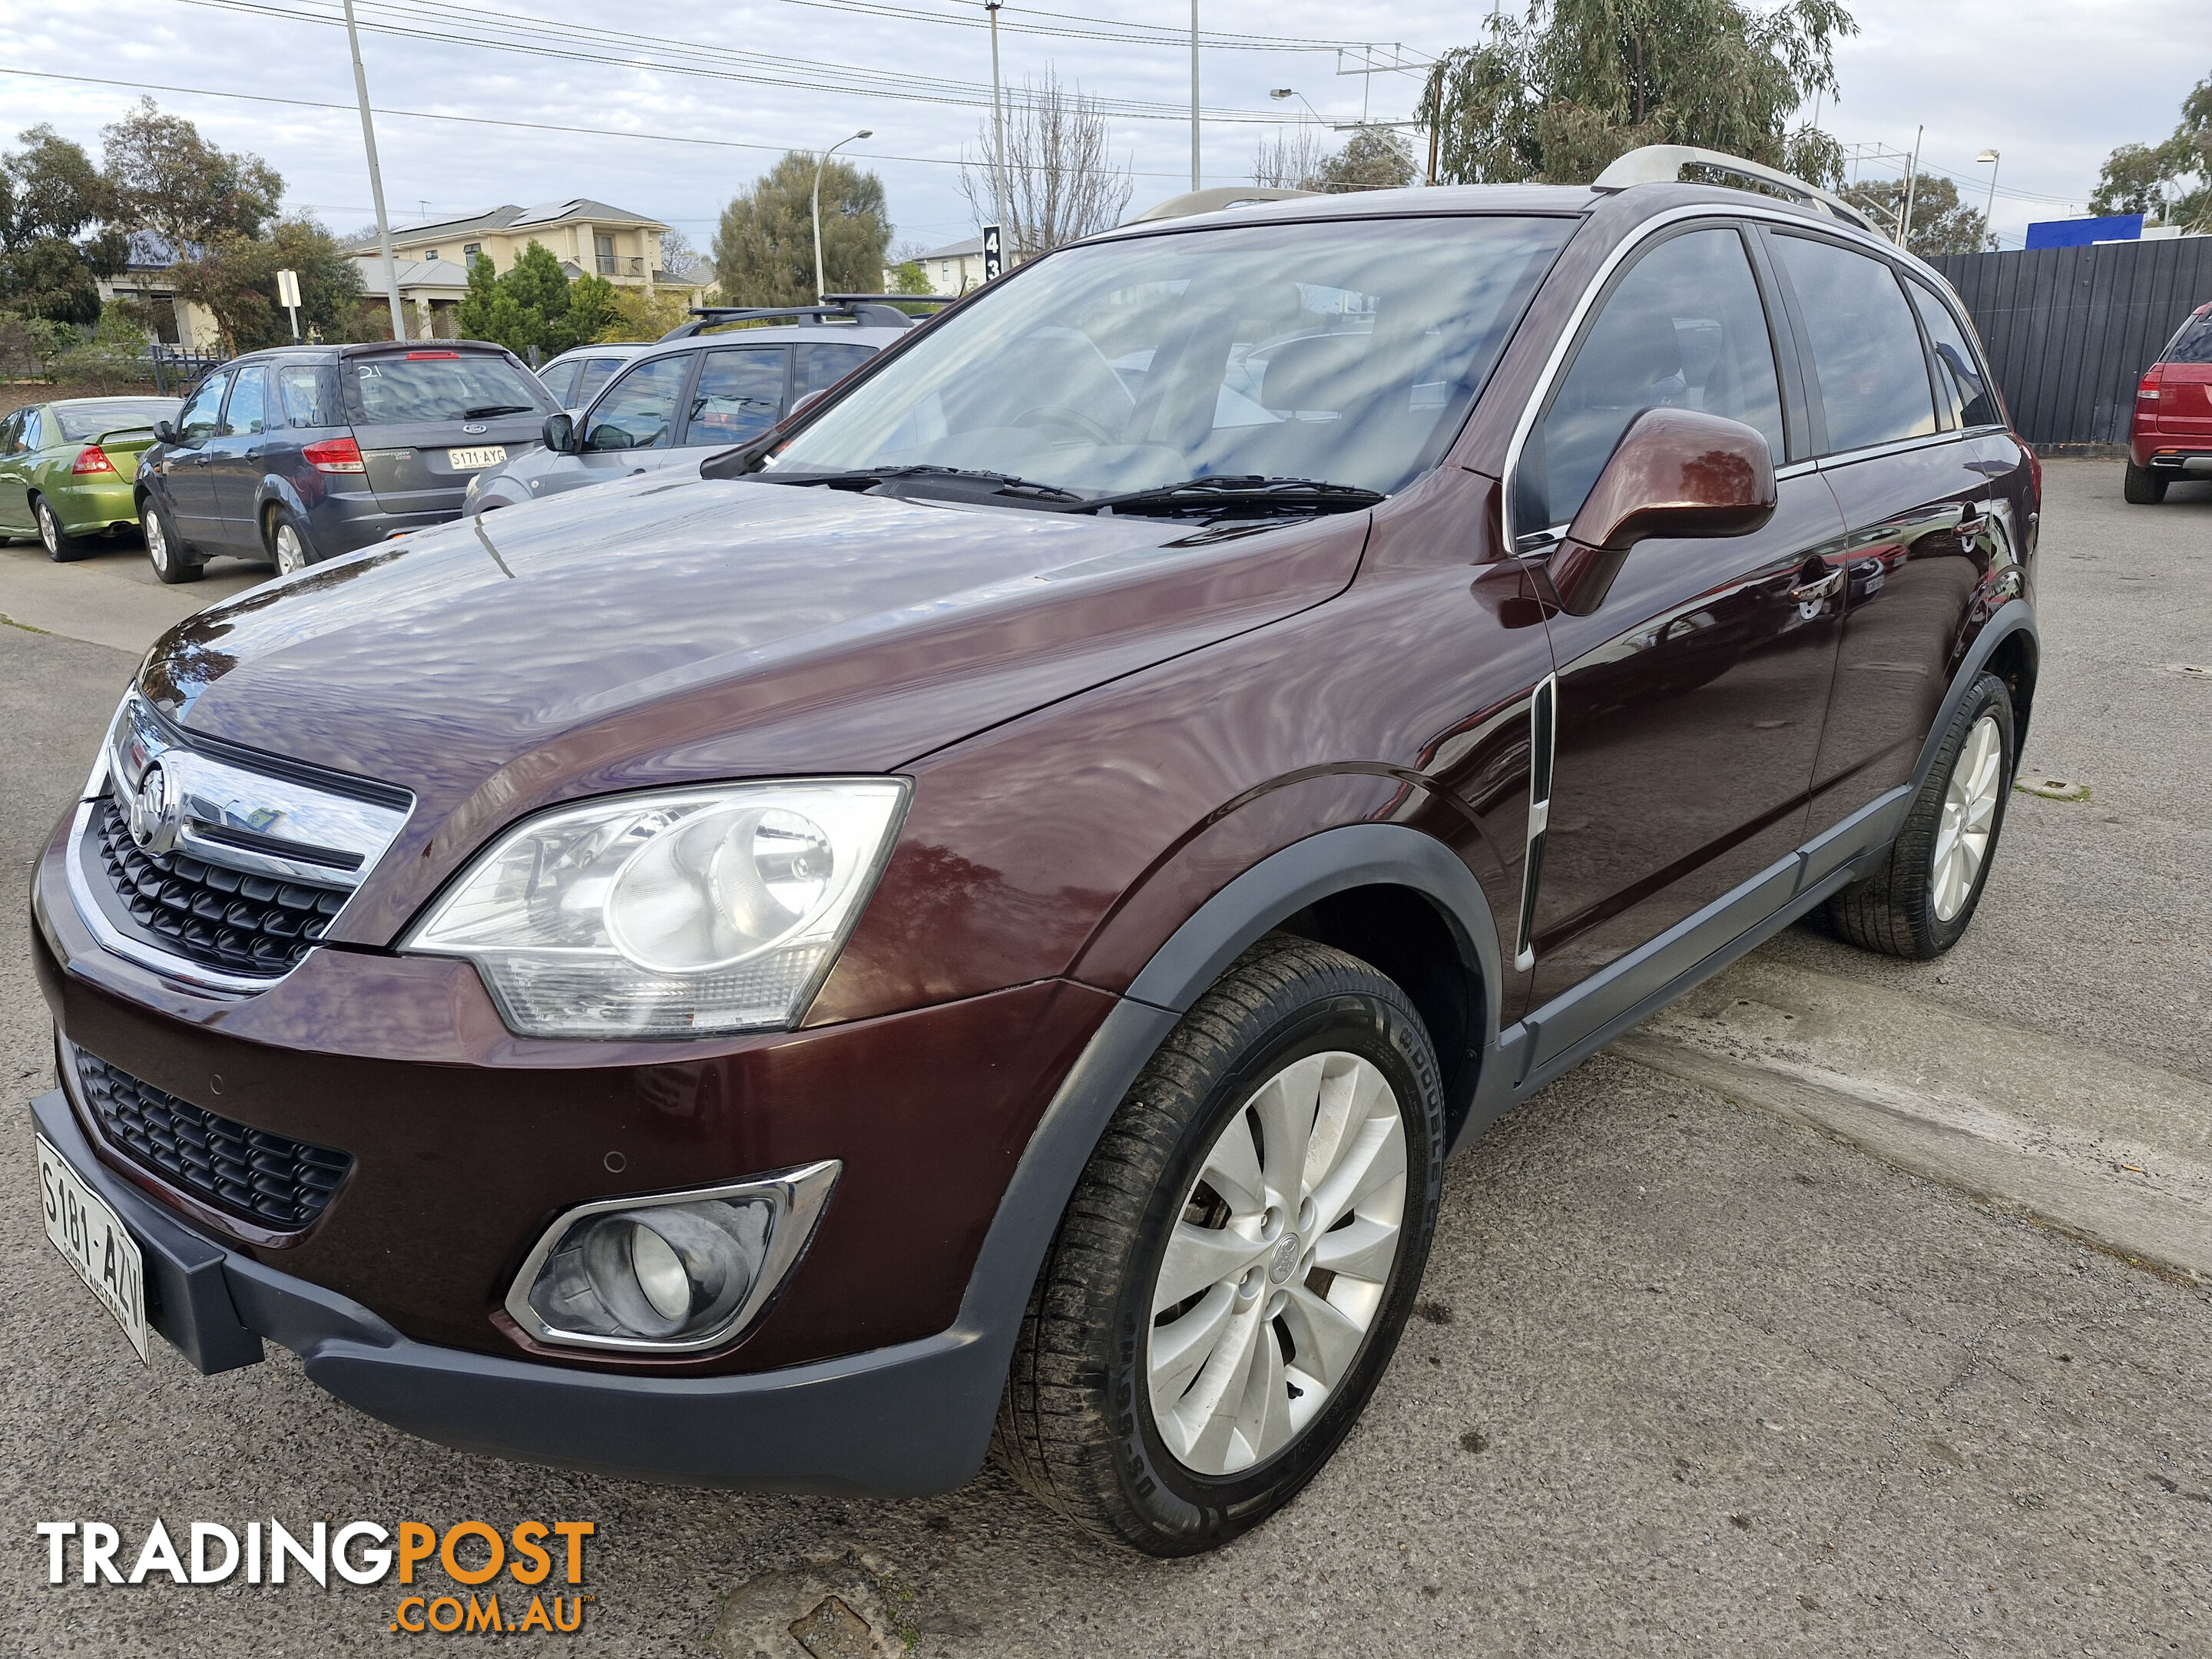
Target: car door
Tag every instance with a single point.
(632, 427)
(741, 391)
(1689, 703)
(1915, 489)
(234, 456)
(15, 490)
(187, 486)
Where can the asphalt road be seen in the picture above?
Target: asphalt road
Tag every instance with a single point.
(1689, 1379)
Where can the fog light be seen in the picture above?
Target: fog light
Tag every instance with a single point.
(671, 1272)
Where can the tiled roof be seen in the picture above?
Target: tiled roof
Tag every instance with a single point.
(968, 249)
(580, 207)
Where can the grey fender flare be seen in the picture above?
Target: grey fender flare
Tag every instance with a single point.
(1269, 893)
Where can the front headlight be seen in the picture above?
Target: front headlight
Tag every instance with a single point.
(682, 914)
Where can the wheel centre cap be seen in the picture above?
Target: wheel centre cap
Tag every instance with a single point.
(1284, 1260)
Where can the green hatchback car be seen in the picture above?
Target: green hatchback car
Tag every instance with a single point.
(66, 468)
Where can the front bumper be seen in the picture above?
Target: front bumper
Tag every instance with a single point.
(899, 1421)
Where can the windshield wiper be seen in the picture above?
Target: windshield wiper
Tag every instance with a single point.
(495, 409)
(868, 478)
(1239, 497)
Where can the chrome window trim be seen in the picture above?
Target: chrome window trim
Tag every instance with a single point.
(1722, 214)
(798, 1196)
(1894, 447)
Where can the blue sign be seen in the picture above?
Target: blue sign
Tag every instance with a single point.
(2080, 232)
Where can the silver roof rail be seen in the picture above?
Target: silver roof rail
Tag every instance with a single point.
(1662, 164)
(1215, 199)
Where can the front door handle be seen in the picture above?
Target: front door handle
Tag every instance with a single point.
(1820, 588)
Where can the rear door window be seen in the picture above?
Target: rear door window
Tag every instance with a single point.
(1685, 329)
(739, 395)
(639, 411)
(1871, 380)
(195, 424)
(418, 388)
(243, 418)
(1962, 387)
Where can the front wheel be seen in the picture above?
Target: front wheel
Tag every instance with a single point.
(61, 547)
(2141, 487)
(165, 549)
(1919, 903)
(1238, 1260)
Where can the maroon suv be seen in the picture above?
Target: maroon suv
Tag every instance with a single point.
(980, 915)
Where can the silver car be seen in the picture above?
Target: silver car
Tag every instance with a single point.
(679, 400)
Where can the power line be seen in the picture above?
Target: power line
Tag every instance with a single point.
(1103, 29)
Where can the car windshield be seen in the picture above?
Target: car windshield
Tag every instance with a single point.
(442, 385)
(2194, 343)
(89, 420)
(1348, 353)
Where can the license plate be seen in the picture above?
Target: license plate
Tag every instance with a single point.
(95, 1241)
(473, 460)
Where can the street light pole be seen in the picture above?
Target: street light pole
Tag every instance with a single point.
(998, 120)
(1193, 94)
(375, 181)
(863, 133)
(1911, 184)
(1989, 213)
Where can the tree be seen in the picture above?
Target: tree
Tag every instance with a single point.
(535, 304)
(677, 256)
(1942, 223)
(907, 277)
(634, 314)
(1288, 159)
(1374, 158)
(1555, 97)
(1059, 183)
(172, 182)
(764, 246)
(235, 278)
(57, 239)
(2170, 183)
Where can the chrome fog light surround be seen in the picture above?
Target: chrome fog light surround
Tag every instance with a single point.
(671, 1272)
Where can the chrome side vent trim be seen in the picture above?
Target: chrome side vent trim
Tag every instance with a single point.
(1543, 736)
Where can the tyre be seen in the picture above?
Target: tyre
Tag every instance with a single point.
(2142, 487)
(164, 549)
(289, 546)
(1232, 1273)
(61, 547)
(1920, 903)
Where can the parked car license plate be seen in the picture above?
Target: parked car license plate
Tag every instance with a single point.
(471, 460)
(95, 1241)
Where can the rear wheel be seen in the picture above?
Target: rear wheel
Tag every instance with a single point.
(2142, 487)
(165, 549)
(288, 544)
(61, 547)
(1920, 903)
(1237, 1261)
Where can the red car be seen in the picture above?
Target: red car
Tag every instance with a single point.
(979, 913)
(2172, 437)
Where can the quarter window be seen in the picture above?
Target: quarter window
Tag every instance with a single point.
(740, 395)
(1683, 329)
(195, 424)
(822, 365)
(304, 390)
(639, 411)
(1962, 393)
(1872, 379)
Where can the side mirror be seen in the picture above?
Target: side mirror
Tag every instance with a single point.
(560, 434)
(1675, 472)
(165, 431)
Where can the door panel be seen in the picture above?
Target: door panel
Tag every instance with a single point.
(15, 492)
(1919, 547)
(186, 485)
(233, 459)
(1690, 708)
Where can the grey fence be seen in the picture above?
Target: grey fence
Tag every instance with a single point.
(2069, 331)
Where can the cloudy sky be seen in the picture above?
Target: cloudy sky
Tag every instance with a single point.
(2051, 86)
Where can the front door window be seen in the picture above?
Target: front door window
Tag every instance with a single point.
(639, 411)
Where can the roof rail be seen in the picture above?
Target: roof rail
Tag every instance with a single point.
(888, 299)
(862, 308)
(1215, 200)
(1662, 164)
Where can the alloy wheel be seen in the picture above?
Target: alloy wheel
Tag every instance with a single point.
(157, 541)
(291, 552)
(1278, 1264)
(50, 531)
(1970, 805)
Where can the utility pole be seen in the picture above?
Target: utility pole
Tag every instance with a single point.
(999, 192)
(375, 181)
(1193, 94)
(1911, 183)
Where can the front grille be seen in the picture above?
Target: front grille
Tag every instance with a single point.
(218, 918)
(249, 1173)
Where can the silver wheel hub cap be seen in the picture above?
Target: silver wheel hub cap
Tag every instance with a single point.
(1278, 1264)
(1970, 809)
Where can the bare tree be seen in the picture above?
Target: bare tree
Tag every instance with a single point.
(1059, 181)
(1287, 160)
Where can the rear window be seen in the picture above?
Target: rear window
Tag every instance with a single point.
(78, 424)
(2194, 343)
(402, 391)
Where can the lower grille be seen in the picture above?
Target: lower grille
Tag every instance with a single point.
(216, 917)
(248, 1173)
